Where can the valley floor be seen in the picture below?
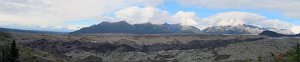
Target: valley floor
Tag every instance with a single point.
(154, 48)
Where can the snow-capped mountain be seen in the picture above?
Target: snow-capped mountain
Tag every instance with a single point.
(242, 29)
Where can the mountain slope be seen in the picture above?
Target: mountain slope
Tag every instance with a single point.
(148, 28)
(242, 29)
(106, 27)
(271, 34)
(145, 28)
(25, 54)
(189, 29)
(282, 31)
(275, 34)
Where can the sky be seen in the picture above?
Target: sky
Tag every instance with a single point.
(71, 15)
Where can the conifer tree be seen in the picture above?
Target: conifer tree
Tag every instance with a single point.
(298, 53)
(14, 52)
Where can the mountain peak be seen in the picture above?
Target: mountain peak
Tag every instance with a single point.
(252, 26)
(120, 22)
(123, 22)
(271, 33)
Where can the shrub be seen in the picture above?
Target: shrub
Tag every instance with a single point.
(294, 54)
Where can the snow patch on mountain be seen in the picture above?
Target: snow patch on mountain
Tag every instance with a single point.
(242, 29)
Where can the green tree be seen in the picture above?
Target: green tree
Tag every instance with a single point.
(14, 52)
(297, 53)
(4, 46)
(294, 54)
(3, 56)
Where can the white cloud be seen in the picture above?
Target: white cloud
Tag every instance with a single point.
(289, 8)
(75, 27)
(136, 15)
(239, 18)
(55, 14)
(186, 18)
(49, 13)
(295, 29)
(142, 15)
(232, 18)
(275, 23)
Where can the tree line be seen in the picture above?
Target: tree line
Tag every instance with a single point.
(8, 49)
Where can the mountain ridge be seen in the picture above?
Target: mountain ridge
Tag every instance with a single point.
(242, 29)
(275, 34)
(149, 28)
(145, 28)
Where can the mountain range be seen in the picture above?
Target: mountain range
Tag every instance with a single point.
(149, 28)
(242, 29)
(145, 28)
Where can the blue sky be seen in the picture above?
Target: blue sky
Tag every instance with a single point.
(173, 7)
(70, 15)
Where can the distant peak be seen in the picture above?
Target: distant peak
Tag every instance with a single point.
(123, 21)
(147, 23)
(120, 22)
(166, 23)
(104, 22)
(246, 25)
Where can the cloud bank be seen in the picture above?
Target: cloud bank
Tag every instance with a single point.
(57, 14)
(136, 15)
(289, 8)
(238, 18)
